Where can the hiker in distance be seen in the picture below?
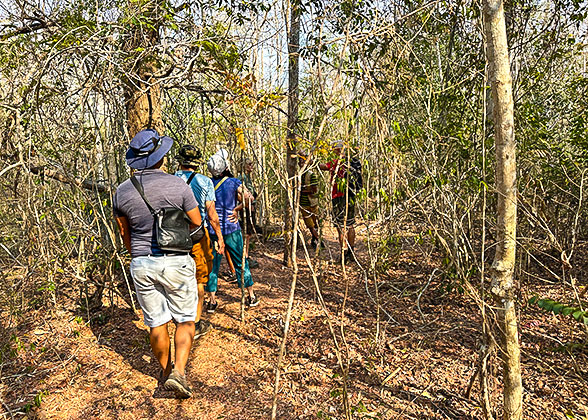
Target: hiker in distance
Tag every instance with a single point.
(231, 197)
(189, 158)
(309, 199)
(249, 213)
(346, 180)
(163, 278)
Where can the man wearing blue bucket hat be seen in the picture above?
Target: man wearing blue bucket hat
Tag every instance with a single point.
(164, 280)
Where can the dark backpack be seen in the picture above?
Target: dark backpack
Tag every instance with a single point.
(171, 225)
(355, 179)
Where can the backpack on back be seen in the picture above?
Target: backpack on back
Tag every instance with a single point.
(171, 225)
(355, 179)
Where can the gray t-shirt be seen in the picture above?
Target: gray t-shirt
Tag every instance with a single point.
(161, 190)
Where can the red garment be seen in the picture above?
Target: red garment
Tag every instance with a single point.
(341, 173)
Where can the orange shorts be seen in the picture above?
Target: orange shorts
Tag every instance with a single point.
(202, 255)
(309, 214)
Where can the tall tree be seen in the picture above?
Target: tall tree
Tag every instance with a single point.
(291, 139)
(504, 260)
(142, 91)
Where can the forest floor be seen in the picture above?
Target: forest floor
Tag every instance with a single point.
(412, 359)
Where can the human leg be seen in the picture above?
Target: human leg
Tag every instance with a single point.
(248, 226)
(251, 300)
(341, 237)
(176, 380)
(212, 284)
(165, 290)
(234, 245)
(183, 342)
(315, 223)
(252, 263)
(339, 219)
(201, 325)
(201, 295)
(314, 233)
(201, 275)
(207, 247)
(207, 250)
(152, 299)
(160, 345)
(176, 278)
(351, 236)
(310, 220)
(229, 261)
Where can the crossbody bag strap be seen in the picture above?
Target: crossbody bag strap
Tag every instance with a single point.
(191, 177)
(220, 183)
(139, 188)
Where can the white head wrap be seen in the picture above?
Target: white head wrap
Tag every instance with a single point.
(218, 163)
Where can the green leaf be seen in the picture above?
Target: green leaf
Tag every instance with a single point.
(546, 304)
(578, 314)
(568, 310)
(557, 308)
(533, 300)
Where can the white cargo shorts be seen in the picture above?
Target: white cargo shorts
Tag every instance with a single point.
(166, 288)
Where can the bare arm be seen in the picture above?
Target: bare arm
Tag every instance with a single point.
(244, 196)
(195, 217)
(125, 231)
(239, 207)
(245, 199)
(215, 223)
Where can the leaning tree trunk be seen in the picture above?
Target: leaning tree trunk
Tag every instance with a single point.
(142, 91)
(291, 140)
(504, 260)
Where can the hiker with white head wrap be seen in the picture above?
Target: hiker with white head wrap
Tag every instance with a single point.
(219, 162)
(231, 196)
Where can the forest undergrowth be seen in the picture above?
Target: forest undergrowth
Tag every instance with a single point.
(469, 121)
(414, 358)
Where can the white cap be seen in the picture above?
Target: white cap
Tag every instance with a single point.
(218, 163)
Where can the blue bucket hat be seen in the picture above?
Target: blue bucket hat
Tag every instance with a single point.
(147, 148)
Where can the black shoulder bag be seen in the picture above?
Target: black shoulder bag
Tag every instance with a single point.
(172, 225)
(198, 233)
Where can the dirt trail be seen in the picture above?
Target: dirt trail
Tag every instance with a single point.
(65, 368)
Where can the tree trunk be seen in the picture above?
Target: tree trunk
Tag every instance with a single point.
(291, 140)
(143, 104)
(142, 92)
(504, 260)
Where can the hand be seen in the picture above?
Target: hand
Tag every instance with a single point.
(220, 246)
(234, 217)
